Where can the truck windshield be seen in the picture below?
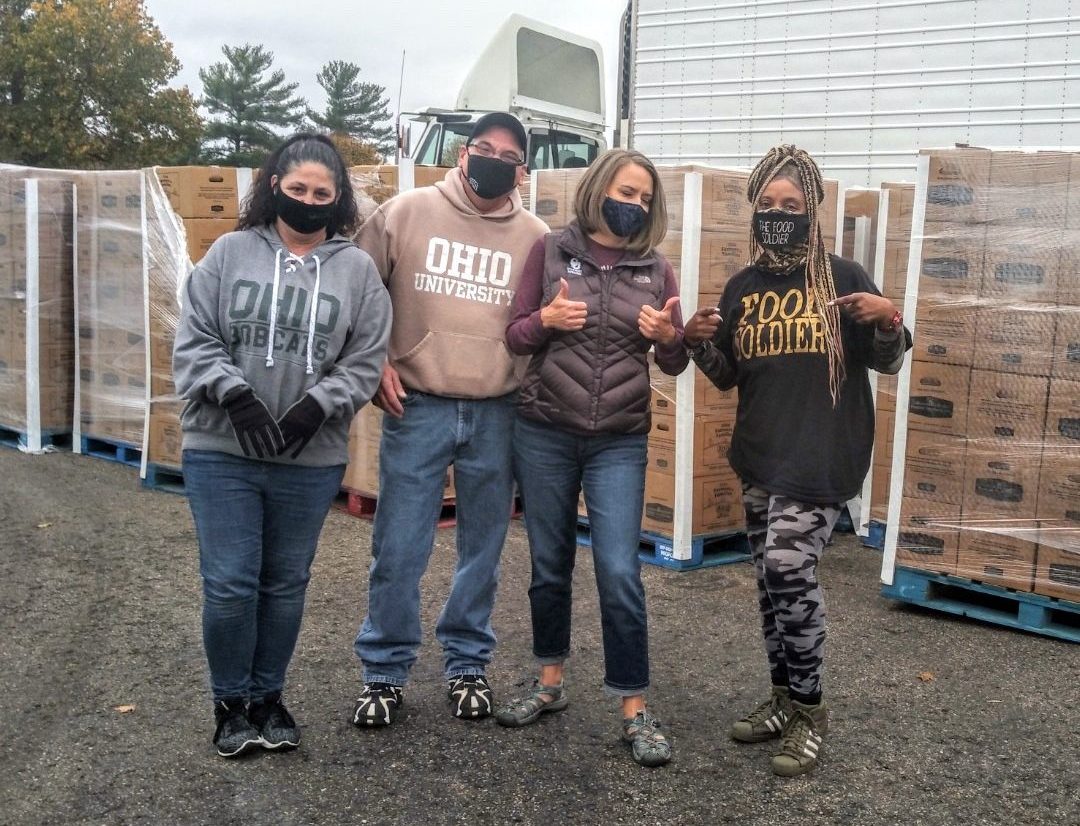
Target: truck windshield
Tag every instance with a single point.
(561, 150)
(441, 146)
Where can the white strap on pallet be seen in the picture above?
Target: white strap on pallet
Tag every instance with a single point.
(148, 380)
(33, 330)
(911, 302)
(76, 413)
(689, 278)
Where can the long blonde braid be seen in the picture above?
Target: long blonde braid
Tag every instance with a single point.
(820, 287)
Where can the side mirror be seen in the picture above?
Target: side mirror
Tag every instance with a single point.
(403, 135)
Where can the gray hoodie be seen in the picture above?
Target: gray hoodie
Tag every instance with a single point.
(335, 352)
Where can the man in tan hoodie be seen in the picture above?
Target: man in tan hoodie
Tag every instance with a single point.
(451, 256)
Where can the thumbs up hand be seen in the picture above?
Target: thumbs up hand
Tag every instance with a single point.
(562, 313)
(655, 324)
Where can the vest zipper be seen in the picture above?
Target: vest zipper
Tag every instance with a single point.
(605, 288)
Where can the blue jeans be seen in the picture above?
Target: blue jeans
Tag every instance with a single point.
(473, 435)
(258, 524)
(553, 466)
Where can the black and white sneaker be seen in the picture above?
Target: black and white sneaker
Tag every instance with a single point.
(234, 735)
(470, 697)
(277, 728)
(378, 705)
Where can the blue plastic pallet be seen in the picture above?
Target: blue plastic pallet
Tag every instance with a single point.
(122, 452)
(705, 551)
(18, 439)
(164, 478)
(1035, 613)
(876, 537)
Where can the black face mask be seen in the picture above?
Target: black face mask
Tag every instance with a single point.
(489, 177)
(775, 229)
(301, 217)
(623, 219)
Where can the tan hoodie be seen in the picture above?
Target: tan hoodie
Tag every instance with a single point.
(452, 272)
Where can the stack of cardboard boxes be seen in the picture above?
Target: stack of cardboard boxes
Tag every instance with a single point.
(990, 465)
(111, 347)
(36, 305)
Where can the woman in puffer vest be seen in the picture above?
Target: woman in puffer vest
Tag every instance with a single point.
(594, 298)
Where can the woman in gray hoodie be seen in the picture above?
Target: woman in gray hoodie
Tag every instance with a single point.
(281, 340)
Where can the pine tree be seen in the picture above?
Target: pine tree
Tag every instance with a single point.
(353, 107)
(251, 103)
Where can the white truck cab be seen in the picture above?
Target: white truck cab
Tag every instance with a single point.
(551, 79)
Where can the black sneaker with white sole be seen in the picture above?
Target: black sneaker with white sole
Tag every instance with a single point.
(277, 728)
(470, 696)
(234, 735)
(378, 705)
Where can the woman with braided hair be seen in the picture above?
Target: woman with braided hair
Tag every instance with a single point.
(796, 332)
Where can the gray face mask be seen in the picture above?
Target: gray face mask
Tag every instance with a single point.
(775, 229)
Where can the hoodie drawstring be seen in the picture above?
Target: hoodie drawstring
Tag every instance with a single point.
(273, 310)
(312, 316)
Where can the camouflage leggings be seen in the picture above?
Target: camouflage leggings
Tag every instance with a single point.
(786, 541)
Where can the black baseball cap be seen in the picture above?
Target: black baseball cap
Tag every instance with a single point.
(504, 120)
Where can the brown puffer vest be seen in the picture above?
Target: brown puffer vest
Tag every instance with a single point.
(594, 380)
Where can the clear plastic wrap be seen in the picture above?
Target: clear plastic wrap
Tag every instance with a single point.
(36, 330)
(990, 423)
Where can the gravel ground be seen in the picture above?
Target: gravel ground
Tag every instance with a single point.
(100, 610)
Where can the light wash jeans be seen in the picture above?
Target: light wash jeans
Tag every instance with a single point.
(258, 524)
(474, 436)
(553, 465)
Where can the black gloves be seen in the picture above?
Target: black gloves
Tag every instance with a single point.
(255, 428)
(300, 423)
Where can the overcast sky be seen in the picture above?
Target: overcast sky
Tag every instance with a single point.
(440, 39)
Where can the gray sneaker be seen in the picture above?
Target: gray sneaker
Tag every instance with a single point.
(650, 747)
(277, 728)
(800, 746)
(543, 699)
(766, 722)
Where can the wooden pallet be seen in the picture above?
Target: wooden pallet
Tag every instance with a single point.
(705, 551)
(113, 451)
(164, 478)
(876, 536)
(362, 505)
(20, 440)
(1024, 611)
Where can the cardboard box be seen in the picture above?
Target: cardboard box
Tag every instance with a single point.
(1058, 509)
(1021, 265)
(879, 491)
(860, 203)
(716, 507)
(708, 399)
(1072, 204)
(994, 559)
(1015, 338)
(1068, 294)
(894, 273)
(1001, 484)
(938, 398)
(1057, 573)
(1028, 188)
(166, 437)
(1063, 416)
(886, 391)
(884, 428)
(203, 232)
(1007, 408)
(945, 330)
(901, 209)
(113, 196)
(201, 191)
(712, 440)
(1066, 358)
(957, 185)
(952, 260)
(928, 536)
(554, 196)
(934, 467)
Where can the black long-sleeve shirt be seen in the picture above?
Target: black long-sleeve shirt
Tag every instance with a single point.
(788, 437)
